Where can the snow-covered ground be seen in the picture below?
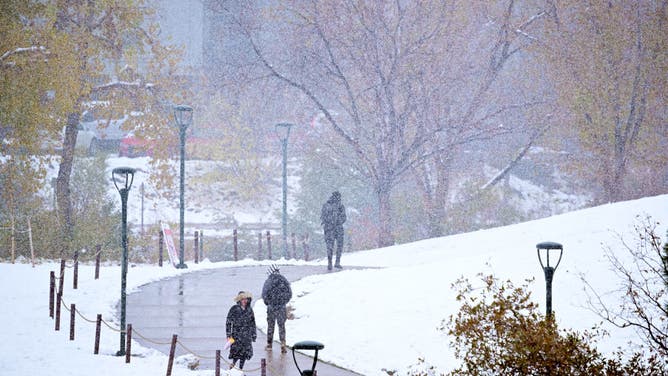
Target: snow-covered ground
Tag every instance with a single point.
(383, 317)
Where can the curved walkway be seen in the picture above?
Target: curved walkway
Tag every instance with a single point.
(194, 307)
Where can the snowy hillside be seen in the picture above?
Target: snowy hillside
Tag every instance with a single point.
(387, 318)
(382, 317)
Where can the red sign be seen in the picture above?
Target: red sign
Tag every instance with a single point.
(169, 243)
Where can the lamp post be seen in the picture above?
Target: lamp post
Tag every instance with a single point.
(122, 178)
(548, 270)
(183, 115)
(283, 132)
(307, 345)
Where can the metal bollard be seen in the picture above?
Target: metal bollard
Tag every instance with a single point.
(52, 291)
(259, 245)
(62, 276)
(268, 245)
(263, 367)
(97, 261)
(294, 246)
(201, 245)
(196, 247)
(58, 300)
(217, 362)
(98, 326)
(128, 344)
(236, 245)
(160, 242)
(72, 317)
(172, 349)
(75, 278)
(306, 247)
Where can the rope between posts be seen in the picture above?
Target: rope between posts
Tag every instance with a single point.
(64, 304)
(150, 340)
(83, 317)
(194, 353)
(112, 328)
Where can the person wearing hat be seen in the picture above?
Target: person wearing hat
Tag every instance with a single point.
(240, 329)
(276, 293)
(332, 217)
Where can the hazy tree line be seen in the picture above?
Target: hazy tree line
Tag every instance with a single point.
(59, 59)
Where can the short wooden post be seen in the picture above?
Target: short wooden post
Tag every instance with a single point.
(75, 277)
(236, 244)
(201, 245)
(294, 246)
(259, 245)
(98, 326)
(263, 367)
(98, 251)
(128, 343)
(58, 299)
(306, 247)
(62, 276)
(161, 241)
(172, 350)
(52, 291)
(32, 249)
(196, 247)
(217, 362)
(73, 310)
(268, 245)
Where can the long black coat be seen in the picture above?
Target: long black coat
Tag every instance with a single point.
(333, 216)
(240, 325)
(276, 291)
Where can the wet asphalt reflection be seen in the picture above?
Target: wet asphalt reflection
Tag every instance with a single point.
(194, 306)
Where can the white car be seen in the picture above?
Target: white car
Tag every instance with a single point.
(97, 134)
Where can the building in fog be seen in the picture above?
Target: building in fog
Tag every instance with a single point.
(206, 30)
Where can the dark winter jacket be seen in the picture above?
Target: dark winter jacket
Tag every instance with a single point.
(276, 291)
(240, 325)
(333, 214)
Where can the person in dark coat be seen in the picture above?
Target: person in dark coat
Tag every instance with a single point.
(332, 217)
(276, 293)
(240, 326)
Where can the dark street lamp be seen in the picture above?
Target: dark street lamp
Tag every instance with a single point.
(283, 132)
(307, 345)
(184, 116)
(548, 270)
(123, 177)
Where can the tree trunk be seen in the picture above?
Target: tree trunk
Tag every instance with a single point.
(385, 231)
(63, 193)
(435, 194)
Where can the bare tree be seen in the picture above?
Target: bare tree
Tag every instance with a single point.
(609, 65)
(390, 79)
(643, 284)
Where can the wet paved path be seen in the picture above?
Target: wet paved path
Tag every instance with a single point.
(194, 307)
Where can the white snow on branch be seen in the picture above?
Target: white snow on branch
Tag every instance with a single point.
(124, 84)
(20, 50)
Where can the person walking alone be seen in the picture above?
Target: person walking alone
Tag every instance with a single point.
(332, 218)
(276, 293)
(240, 329)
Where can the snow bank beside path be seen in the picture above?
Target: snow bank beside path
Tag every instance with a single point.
(386, 316)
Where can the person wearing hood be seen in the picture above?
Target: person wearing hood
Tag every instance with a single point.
(332, 218)
(240, 329)
(276, 293)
